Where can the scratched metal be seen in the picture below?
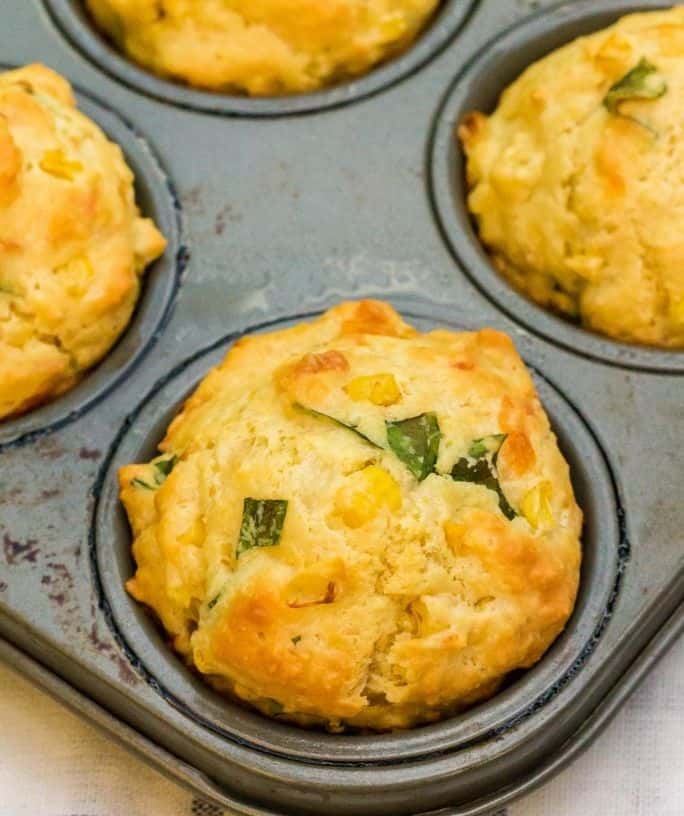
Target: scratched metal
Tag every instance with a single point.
(272, 216)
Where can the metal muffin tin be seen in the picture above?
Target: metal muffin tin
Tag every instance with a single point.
(282, 208)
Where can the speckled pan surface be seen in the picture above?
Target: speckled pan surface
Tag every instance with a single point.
(277, 210)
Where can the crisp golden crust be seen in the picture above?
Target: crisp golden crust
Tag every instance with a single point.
(72, 243)
(264, 48)
(581, 206)
(386, 601)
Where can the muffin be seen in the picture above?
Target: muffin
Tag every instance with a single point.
(354, 524)
(574, 180)
(72, 242)
(265, 48)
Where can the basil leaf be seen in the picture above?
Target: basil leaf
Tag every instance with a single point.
(642, 82)
(272, 707)
(162, 468)
(479, 448)
(141, 483)
(416, 442)
(339, 422)
(483, 471)
(262, 524)
(212, 603)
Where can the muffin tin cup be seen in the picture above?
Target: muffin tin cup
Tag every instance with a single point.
(156, 198)
(605, 556)
(477, 88)
(287, 215)
(74, 21)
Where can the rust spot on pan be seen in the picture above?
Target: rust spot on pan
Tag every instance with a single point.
(17, 552)
(89, 453)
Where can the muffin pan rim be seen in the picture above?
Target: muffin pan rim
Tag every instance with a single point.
(157, 297)
(454, 222)
(413, 263)
(114, 600)
(73, 25)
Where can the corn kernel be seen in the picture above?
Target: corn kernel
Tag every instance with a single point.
(77, 274)
(455, 535)
(393, 27)
(56, 164)
(380, 389)
(536, 505)
(677, 311)
(372, 489)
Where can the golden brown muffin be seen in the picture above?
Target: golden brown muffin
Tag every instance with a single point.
(261, 47)
(575, 180)
(351, 523)
(72, 243)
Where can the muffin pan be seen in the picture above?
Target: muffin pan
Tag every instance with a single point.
(284, 213)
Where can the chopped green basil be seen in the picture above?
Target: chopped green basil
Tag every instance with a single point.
(141, 483)
(212, 603)
(643, 82)
(272, 707)
(339, 422)
(262, 524)
(482, 470)
(479, 448)
(161, 470)
(416, 442)
(164, 467)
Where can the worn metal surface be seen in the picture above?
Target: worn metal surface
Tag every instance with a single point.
(272, 216)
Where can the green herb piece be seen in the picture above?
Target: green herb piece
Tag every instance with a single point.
(479, 448)
(272, 707)
(352, 428)
(164, 467)
(483, 470)
(262, 524)
(416, 442)
(141, 483)
(295, 640)
(643, 82)
(212, 603)
(161, 470)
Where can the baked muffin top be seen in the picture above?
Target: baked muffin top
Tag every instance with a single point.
(352, 523)
(263, 48)
(575, 180)
(72, 242)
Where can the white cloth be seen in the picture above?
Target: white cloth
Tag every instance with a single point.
(52, 764)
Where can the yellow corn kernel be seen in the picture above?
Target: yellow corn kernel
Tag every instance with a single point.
(77, 274)
(380, 389)
(368, 492)
(536, 505)
(455, 535)
(393, 27)
(677, 311)
(193, 535)
(56, 164)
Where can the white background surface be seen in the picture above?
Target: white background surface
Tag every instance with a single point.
(53, 764)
